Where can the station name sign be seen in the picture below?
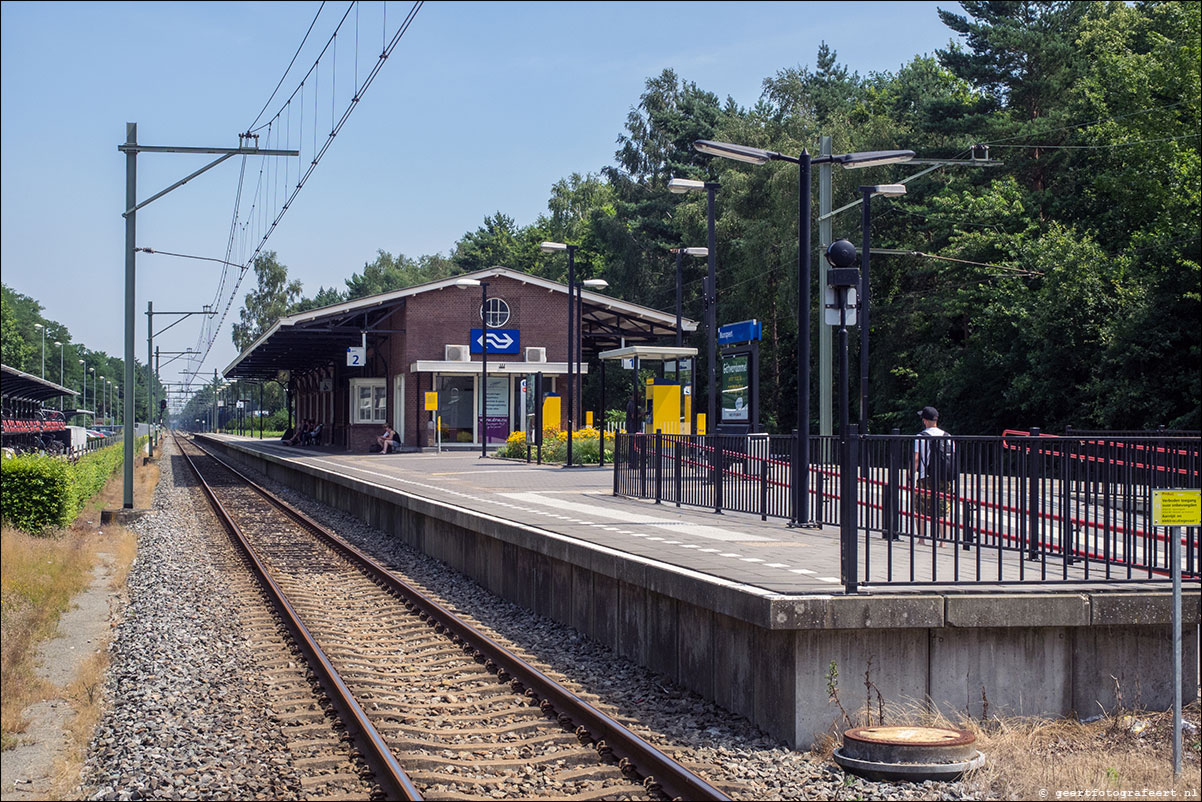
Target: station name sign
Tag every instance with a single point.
(742, 332)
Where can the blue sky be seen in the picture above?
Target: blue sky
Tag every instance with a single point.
(481, 108)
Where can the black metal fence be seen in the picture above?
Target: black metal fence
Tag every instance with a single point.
(1022, 507)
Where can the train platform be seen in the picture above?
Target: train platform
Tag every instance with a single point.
(579, 503)
(748, 612)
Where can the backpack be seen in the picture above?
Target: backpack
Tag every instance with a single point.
(941, 458)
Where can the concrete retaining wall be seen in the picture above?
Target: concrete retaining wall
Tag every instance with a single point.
(768, 656)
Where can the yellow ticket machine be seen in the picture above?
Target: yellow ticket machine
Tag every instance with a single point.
(551, 412)
(665, 408)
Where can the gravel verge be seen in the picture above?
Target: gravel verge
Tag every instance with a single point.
(187, 717)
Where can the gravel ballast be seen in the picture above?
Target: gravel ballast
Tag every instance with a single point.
(187, 714)
(724, 748)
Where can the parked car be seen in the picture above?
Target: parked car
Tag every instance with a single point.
(92, 433)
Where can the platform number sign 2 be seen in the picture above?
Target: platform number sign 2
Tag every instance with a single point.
(356, 356)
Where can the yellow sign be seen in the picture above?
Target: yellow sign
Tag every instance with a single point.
(1176, 508)
(431, 402)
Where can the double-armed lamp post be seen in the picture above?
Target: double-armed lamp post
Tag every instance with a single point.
(889, 190)
(758, 156)
(464, 283)
(573, 329)
(679, 186)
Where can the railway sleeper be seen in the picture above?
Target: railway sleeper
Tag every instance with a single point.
(529, 742)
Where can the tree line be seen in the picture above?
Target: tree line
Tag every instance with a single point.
(1061, 288)
(21, 348)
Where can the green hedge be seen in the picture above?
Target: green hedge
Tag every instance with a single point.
(37, 492)
(40, 492)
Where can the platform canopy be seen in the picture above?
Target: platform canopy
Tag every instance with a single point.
(649, 353)
(319, 337)
(21, 386)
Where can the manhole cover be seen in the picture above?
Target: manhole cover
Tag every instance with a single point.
(909, 753)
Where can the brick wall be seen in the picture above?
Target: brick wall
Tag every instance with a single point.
(430, 321)
(444, 317)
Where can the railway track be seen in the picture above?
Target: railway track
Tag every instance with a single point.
(436, 708)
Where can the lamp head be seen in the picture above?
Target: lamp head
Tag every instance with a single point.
(552, 247)
(872, 158)
(696, 251)
(37, 325)
(595, 283)
(680, 186)
(740, 153)
(889, 190)
(56, 342)
(464, 283)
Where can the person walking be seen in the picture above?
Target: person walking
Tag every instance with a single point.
(932, 468)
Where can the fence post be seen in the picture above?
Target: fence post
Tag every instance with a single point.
(617, 458)
(659, 465)
(847, 513)
(680, 443)
(1034, 476)
(638, 450)
(1067, 546)
(764, 478)
(892, 489)
(795, 489)
(718, 471)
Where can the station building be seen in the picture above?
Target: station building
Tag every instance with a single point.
(354, 366)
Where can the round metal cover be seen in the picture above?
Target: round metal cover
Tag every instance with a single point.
(908, 772)
(909, 744)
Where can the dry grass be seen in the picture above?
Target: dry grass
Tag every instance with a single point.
(1113, 757)
(40, 577)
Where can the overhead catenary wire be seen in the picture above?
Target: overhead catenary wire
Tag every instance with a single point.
(316, 156)
(1105, 146)
(289, 67)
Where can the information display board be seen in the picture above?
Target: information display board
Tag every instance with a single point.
(736, 388)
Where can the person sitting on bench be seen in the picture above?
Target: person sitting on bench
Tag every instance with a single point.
(312, 437)
(389, 440)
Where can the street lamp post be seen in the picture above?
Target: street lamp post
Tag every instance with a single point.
(743, 153)
(552, 247)
(680, 254)
(483, 285)
(43, 328)
(891, 190)
(679, 186)
(592, 284)
(84, 395)
(60, 370)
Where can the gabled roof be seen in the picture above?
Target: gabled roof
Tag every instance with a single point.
(319, 336)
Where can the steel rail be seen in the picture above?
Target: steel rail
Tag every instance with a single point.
(611, 736)
(388, 772)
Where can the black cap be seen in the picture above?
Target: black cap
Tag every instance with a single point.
(929, 413)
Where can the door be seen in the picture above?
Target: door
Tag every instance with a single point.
(398, 405)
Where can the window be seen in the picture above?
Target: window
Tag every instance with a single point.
(497, 311)
(369, 400)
